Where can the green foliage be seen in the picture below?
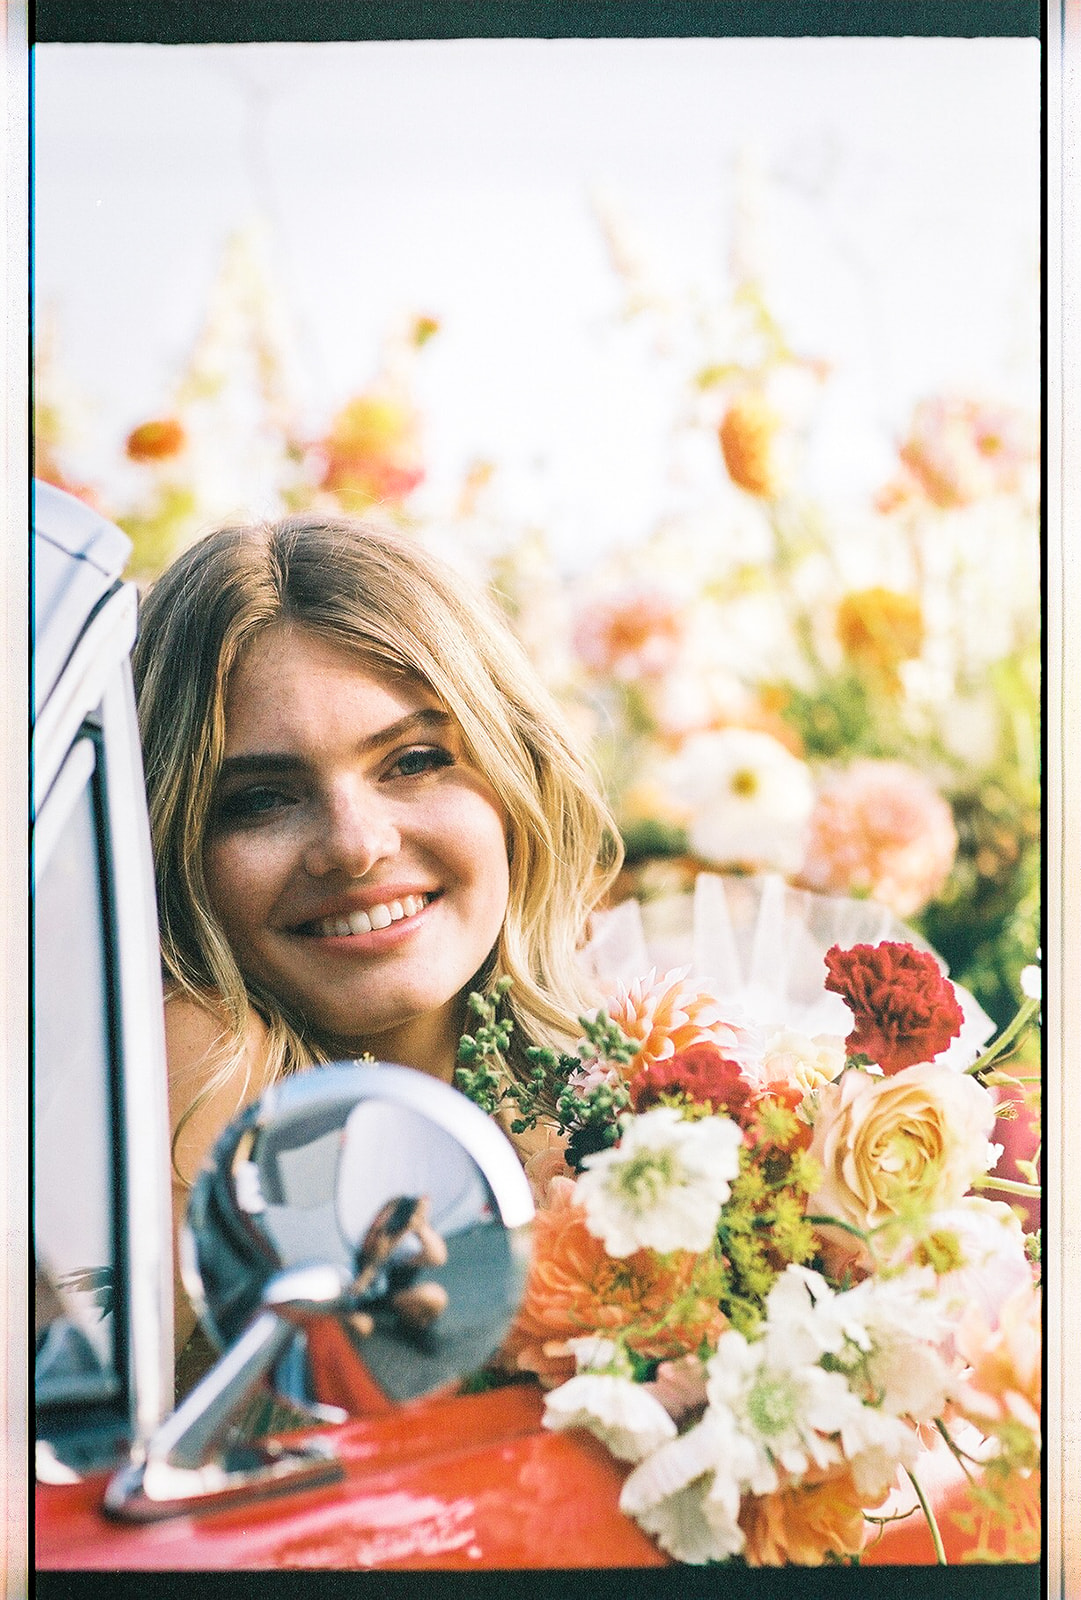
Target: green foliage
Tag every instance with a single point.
(763, 1227)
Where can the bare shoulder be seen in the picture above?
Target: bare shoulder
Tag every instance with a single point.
(211, 1074)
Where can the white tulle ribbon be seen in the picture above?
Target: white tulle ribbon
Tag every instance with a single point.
(759, 946)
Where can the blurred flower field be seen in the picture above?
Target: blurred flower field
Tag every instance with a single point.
(845, 693)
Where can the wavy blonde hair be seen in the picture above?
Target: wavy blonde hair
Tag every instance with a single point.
(402, 612)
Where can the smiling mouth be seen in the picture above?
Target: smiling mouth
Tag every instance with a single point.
(370, 921)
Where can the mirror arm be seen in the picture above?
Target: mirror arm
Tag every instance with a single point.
(187, 1438)
(186, 1463)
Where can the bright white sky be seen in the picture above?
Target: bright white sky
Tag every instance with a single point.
(899, 230)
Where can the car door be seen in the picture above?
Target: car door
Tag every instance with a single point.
(103, 1358)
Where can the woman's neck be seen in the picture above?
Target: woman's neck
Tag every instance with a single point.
(428, 1042)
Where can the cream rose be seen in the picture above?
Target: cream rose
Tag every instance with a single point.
(806, 1064)
(885, 1145)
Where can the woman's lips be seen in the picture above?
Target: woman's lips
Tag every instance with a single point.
(371, 920)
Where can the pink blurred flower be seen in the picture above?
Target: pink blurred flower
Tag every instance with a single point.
(680, 1387)
(544, 1166)
(636, 634)
(1005, 1381)
(881, 828)
(960, 450)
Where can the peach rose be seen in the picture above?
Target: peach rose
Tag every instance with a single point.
(886, 1144)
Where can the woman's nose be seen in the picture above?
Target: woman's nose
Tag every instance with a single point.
(357, 830)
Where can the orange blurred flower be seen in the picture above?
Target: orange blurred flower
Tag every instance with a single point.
(803, 1524)
(371, 452)
(575, 1288)
(749, 437)
(879, 628)
(157, 440)
(669, 1014)
(881, 828)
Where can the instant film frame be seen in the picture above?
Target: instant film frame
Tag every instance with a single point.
(1061, 31)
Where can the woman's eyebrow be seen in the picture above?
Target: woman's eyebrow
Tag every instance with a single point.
(428, 720)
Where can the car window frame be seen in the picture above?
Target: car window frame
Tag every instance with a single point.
(91, 1428)
(93, 696)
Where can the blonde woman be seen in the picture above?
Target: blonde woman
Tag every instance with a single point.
(363, 805)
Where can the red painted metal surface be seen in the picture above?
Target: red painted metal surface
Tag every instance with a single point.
(468, 1482)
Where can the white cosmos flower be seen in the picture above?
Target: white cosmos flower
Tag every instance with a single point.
(687, 1493)
(787, 1410)
(664, 1184)
(688, 1530)
(875, 1445)
(896, 1327)
(803, 1315)
(619, 1412)
(748, 797)
(991, 1247)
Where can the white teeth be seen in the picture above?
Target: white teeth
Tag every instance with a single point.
(376, 917)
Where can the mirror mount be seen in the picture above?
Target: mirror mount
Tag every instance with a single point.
(195, 1459)
(372, 1205)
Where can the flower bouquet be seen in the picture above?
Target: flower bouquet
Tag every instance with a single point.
(765, 1272)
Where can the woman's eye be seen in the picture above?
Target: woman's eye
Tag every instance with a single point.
(250, 804)
(423, 758)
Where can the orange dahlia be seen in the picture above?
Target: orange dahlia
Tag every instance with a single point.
(670, 1014)
(575, 1288)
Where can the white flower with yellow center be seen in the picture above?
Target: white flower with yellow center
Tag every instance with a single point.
(663, 1186)
(748, 799)
(788, 1411)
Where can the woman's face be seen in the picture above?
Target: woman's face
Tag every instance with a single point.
(355, 860)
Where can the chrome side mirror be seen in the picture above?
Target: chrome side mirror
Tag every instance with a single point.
(358, 1238)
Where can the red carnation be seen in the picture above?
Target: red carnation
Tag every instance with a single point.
(701, 1073)
(905, 1008)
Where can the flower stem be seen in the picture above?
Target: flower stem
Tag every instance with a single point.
(1007, 1037)
(1009, 1186)
(925, 1507)
(835, 1222)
